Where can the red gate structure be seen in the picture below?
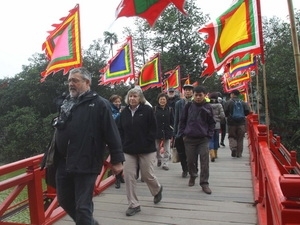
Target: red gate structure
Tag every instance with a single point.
(275, 176)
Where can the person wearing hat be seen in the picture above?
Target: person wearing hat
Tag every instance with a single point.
(236, 125)
(179, 144)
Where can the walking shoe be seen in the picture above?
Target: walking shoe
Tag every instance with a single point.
(158, 196)
(165, 167)
(222, 143)
(158, 163)
(133, 211)
(206, 189)
(192, 181)
(184, 174)
(233, 153)
(118, 184)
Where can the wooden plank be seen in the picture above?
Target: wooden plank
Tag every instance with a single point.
(231, 201)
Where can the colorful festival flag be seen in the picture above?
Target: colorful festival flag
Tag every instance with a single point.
(149, 10)
(238, 66)
(149, 75)
(230, 86)
(236, 32)
(173, 78)
(244, 77)
(62, 46)
(121, 67)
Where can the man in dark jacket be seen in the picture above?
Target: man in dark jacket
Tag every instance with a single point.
(84, 127)
(197, 126)
(179, 144)
(236, 127)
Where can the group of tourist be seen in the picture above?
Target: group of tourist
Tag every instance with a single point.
(137, 137)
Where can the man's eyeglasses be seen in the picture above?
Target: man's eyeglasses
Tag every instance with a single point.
(74, 80)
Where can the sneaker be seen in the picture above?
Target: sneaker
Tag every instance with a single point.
(158, 196)
(184, 174)
(192, 181)
(222, 143)
(206, 189)
(158, 163)
(165, 167)
(233, 153)
(133, 211)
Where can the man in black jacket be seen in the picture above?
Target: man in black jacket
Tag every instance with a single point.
(84, 127)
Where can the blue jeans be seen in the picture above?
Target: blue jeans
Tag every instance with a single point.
(75, 194)
(214, 141)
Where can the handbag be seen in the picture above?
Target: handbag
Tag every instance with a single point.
(48, 163)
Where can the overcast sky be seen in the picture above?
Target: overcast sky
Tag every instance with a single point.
(25, 23)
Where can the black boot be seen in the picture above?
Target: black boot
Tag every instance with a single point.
(118, 183)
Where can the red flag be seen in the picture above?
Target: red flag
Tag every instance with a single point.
(235, 33)
(62, 46)
(173, 79)
(149, 75)
(149, 10)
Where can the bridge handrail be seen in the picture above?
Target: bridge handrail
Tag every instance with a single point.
(41, 199)
(275, 176)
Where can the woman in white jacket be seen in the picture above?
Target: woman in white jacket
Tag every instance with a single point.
(218, 116)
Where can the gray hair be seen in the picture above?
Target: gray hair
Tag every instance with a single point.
(85, 74)
(135, 90)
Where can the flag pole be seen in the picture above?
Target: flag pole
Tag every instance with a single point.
(295, 45)
(267, 118)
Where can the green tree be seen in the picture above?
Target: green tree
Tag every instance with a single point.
(111, 39)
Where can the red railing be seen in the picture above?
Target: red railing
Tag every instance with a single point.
(41, 199)
(275, 176)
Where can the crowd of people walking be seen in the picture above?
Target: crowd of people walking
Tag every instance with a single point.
(139, 136)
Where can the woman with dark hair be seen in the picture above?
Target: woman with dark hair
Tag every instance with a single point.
(116, 101)
(164, 132)
(218, 112)
(223, 121)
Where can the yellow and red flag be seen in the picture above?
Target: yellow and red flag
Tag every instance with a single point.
(149, 10)
(238, 66)
(150, 74)
(173, 79)
(62, 46)
(236, 32)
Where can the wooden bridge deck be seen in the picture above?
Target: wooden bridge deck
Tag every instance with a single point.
(231, 201)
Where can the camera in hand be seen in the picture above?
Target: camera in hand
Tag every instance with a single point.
(58, 123)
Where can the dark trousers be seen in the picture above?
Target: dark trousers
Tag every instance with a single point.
(179, 144)
(223, 131)
(193, 148)
(75, 194)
